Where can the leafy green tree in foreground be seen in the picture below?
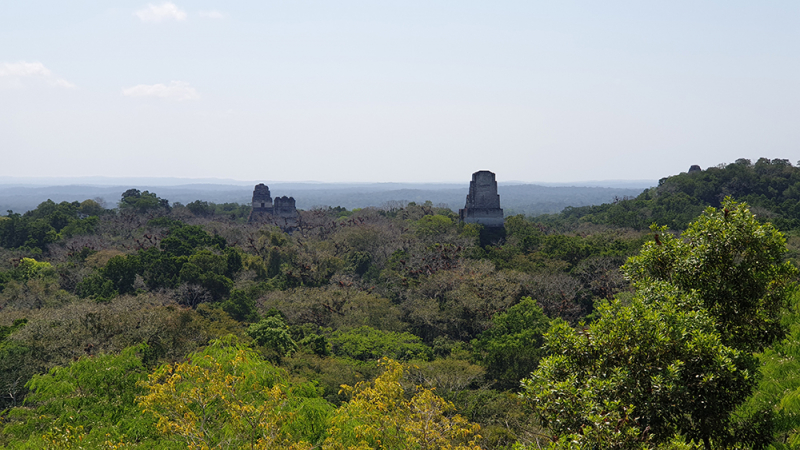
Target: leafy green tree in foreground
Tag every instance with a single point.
(91, 401)
(734, 265)
(640, 374)
(678, 359)
(772, 414)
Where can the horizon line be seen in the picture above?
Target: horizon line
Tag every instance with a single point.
(177, 181)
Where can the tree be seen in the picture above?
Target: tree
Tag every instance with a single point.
(91, 400)
(734, 264)
(652, 369)
(378, 416)
(135, 200)
(678, 359)
(459, 303)
(368, 344)
(429, 226)
(183, 240)
(207, 270)
(23, 231)
(122, 270)
(29, 268)
(771, 416)
(510, 350)
(228, 397)
(199, 208)
(773, 185)
(115, 278)
(273, 333)
(15, 367)
(241, 306)
(91, 208)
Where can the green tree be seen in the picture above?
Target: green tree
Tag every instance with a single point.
(678, 359)
(241, 306)
(773, 185)
(735, 265)
(511, 349)
(44, 225)
(91, 208)
(29, 268)
(771, 416)
(122, 270)
(434, 225)
(654, 368)
(368, 344)
(523, 234)
(200, 208)
(115, 278)
(140, 202)
(15, 369)
(93, 397)
(206, 269)
(185, 240)
(23, 231)
(273, 333)
(5, 277)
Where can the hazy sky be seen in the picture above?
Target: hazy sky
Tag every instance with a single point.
(340, 90)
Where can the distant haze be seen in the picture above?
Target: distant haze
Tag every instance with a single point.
(25, 194)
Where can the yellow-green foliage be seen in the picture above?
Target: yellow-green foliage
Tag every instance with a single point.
(223, 397)
(433, 225)
(29, 268)
(378, 416)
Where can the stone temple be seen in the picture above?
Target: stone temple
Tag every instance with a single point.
(483, 202)
(282, 210)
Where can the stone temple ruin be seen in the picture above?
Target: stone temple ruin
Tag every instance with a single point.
(282, 211)
(483, 202)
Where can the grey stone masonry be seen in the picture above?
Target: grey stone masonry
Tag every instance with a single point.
(483, 202)
(262, 201)
(282, 212)
(284, 207)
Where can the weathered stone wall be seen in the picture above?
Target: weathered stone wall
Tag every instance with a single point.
(483, 191)
(262, 201)
(281, 212)
(483, 201)
(284, 207)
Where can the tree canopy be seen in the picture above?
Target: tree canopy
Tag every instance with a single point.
(167, 326)
(677, 359)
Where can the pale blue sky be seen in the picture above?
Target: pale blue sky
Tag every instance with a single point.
(395, 90)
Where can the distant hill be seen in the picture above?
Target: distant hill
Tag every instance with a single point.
(526, 199)
(770, 187)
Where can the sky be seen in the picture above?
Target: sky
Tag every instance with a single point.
(395, 91)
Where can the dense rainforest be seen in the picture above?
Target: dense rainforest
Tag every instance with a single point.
(669, 320)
